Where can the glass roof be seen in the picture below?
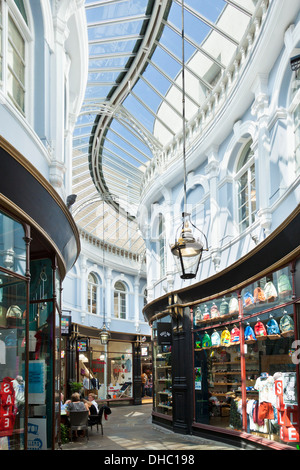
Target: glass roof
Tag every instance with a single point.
(132, 107)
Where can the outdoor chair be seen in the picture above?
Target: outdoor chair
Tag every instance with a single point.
(124, 390)
(79, 422)
(95, 419)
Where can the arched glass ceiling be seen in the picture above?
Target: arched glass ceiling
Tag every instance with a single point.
(133, 102)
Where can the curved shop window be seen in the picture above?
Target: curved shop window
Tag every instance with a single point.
(44, 354)
(13, 300)
(245, 363)
(162, 367)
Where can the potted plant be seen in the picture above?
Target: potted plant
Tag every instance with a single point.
(75, 387)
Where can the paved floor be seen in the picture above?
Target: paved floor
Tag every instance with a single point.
(130, 428)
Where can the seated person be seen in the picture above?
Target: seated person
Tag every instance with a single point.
(94, 410)
(75, 404)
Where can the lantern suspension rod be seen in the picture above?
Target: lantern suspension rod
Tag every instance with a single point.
(183, 108)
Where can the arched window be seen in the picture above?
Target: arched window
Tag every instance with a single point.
(92, 297)
(120, 300)
(295, 109)
(246, 189)
(13, 54)
(162, 246)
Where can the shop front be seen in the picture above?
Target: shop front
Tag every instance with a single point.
(226, 350)
(33, 262)
(246, 361)
(111, 372)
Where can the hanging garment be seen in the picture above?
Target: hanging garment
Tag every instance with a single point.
(215, 339)
(198, 316)
(224, 307)
(235, 335)
(214, 311)
(249, 334)
(270, 292)
(259, 295)
(248, 300)
(266, 389)
(259, 329)
(284, 286)
(233, 305)
(265, 411)
(206, 341)
(225, 338)
(286, 324)
(272, 327)
(206, 315)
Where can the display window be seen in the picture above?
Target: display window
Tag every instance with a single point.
(44, 357)
(13, 315)
(162, 366)
(12, 362)
(119, 369)
(92, 360)
(245, 361)
(146, 370)
(12, 245)
(106, 371)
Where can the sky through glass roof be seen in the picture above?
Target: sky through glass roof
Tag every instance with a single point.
(133, 102)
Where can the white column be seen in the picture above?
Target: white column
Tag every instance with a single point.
(136, 302)
(83, 280)
(57, 105)
(212, 170)
(169, 233)
(108, 295)
(261, 148)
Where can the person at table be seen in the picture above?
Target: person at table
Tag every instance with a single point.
(75, 404)
(94, 409)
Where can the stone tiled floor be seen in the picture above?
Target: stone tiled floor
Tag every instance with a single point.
(130, 428)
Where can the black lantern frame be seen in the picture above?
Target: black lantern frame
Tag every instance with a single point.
(188, 249)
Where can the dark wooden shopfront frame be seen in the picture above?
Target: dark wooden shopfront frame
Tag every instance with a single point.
(279, 249)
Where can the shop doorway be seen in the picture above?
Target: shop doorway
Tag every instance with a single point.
(146, 372)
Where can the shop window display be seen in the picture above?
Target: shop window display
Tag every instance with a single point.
(106, 371)
(119, 371)
(12, 361)
(44, 346)
(245, 372)
(162, 367)
(13, 289)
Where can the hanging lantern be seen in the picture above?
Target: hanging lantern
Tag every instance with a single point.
(187, 249)
(104, 334)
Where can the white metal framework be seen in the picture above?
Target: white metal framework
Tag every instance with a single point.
(132, 106)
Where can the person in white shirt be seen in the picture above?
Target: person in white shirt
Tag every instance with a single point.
(91, 398)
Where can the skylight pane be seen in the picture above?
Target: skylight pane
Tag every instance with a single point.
(139, 111)
(207, 8)
(114, 30)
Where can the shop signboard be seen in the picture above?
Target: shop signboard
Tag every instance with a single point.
(66, 325)
(37, 436)
(164, 334)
